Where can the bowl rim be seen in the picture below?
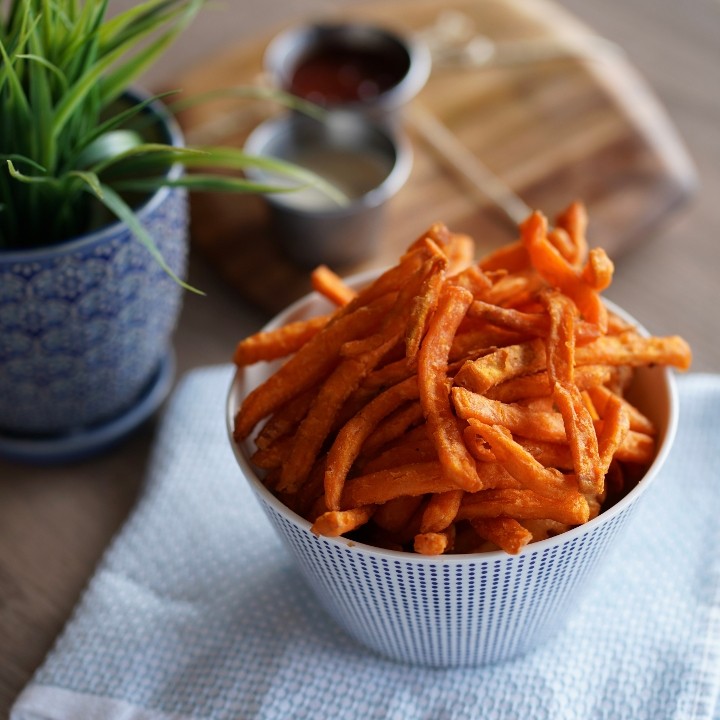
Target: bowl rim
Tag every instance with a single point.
(665, 444)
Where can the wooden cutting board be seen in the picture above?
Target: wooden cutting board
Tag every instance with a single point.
(554, 130)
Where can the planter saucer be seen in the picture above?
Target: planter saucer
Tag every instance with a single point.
(86, 442)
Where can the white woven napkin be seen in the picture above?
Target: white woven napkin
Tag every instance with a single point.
(197, 612)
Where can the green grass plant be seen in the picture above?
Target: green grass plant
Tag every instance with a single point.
(67, 142)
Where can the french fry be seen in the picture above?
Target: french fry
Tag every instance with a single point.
(511, 258)
(472, 278)
(344, 380)
(393, 427)
(441, 511)
(279, 343)
(308, 366)
(395, 515)
(331, 285)
(423, 306)
(562, 242)
(581, 436)
(353, 434)
(434, 543)
(507, 533)
(379, 487)
(636, 351)
(560, 341)
(460, 252)
(598, 271)
(559, 273)
(285, 420)
(412, 449)
(571, 509)
(502, 365)
(615, 427)
(587, 377)
(601, 395)
(519, 420)
(433, 384)
(472, 344)
(574, 221)
(316, 425)
(530, 473)
(339, 522)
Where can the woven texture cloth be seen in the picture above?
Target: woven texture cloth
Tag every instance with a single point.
(197, 612)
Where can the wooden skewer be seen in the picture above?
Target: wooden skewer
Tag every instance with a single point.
(485, 182)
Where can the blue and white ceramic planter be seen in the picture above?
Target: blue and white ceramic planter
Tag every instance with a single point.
(85, 325)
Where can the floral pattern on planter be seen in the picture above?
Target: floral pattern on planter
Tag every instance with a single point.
(84, 325)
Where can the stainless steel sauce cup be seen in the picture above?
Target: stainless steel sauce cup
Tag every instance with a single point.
(360, 67)
(365, 160)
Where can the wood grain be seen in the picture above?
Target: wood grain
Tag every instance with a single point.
(553, 130)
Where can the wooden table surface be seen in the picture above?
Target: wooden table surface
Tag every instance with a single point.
(56, 522)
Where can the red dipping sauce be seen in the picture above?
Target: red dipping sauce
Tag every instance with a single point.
(331, 74)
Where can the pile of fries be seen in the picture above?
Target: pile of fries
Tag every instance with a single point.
(454, 405)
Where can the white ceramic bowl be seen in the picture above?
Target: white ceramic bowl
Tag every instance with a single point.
(454, 610)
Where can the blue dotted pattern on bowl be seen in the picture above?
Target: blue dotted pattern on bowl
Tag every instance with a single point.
(458, 612)
(84, 325)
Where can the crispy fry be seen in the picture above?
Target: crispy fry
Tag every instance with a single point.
(574, 221)
(538, 385)
(477, 446)
(433, 383)
(559, 273)
(274, 344)
(636, 447)
(434, 543)
(338, 522)
(598, 271)
(383, 485)
(519, 420)
(393, 427)
(507, 533)
(503, 364)
(562, 242)
(310, 364)
(473, 344)
(560, 342)
(273, 455)
(549, 454)
(511, 258)
(581, 438)
(353, 434)
(571, 509)
(615, 427)
(514, 290)
(601, 395)
(396, 514)
(285, 419)
(521, 464)
(412, 449)
(331, 285)
(460, 252)
(317, 423)
(423, 306)
(441, 511)
(344, 380)
(636, 351)
(472, 278)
